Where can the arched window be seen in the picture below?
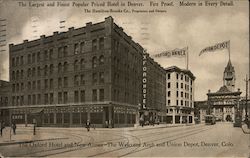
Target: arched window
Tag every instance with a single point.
(76, 65)
(101, 60)
(82, 63)
(59, 68)
(51, 69)
(94, 62)
(46, 70)
(17, 75)
(65, 67)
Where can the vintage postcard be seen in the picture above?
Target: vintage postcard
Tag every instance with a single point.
(124, 78)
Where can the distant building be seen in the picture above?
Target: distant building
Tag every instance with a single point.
(179, 95)
(226, 103)
(153, 109)
(4, 93)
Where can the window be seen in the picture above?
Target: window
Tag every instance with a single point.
(65, 51)
(33, 72)
(46, 98)
(51, 84)
(38, 71)
(13, 75)
(76, 80)
(65, 81)
(59, 82)
(94, 78)
(82, 95)
(51, 98)
(94, 44)
(94, 95)
(169, 102)
(21, 60)
(76, 48)
(181, 102)
(181, 94)
(181, 76)
(101, 43)
(101, 60)
(82, 47)
(82, 64)
(22, 74)
(38, 57)
(169, 84)
(101, 76)
(46, 70)
(46, 55)
(51, 69)
(59, 97)
(177, 102)
(65, 97)
(51, 54)
(82, 79)
(76, 97)
(177, 85)
(33, 99)
(22, 86)
(17, 87)
(21, 100)
(169, 93)
(76, 65)
(46, 84)
(181, 85)
(17, 75)
(177, 76)
(17, 61)
(101, 94)
(29, 73)
(177, 93)
(29, 99)
(169, 76)
(65, 67)
(29, 85)
(13, 87)
(29, 58)
(38, 84)
(13, 62)
(34, 85)
(39, 99)
(33, 58)
(60, 52)
(94, 62)
(59, 68)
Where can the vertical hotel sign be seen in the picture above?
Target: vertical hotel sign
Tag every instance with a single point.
(144, 79)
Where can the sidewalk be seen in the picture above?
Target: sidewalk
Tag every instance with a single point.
(245, 129)
(24, 136)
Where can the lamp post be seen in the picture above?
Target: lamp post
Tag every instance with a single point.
(246, 106)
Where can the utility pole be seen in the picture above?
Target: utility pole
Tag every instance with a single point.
(246, 106)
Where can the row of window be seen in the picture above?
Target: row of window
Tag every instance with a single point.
(62, 52)
(32, 72)
(177, 86)
(182, 77)
(48, 98)
(62, 82)
(182, 95)
(178, 111)
(185, 103)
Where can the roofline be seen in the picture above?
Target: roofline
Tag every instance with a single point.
(177, 69)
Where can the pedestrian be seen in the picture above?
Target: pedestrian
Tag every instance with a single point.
(14, 128)
(141, 121)
(88, 125)
(106, 124)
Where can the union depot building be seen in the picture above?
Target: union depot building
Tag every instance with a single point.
(91, 73)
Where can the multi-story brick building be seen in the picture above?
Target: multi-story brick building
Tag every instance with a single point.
(93, 72)
(4, 99)
(153, 91)
(179, 95)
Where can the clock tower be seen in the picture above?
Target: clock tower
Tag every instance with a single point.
(229, 76)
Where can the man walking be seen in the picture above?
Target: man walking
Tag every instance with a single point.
(88, 125)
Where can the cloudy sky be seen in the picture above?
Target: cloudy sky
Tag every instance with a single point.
(195, 27)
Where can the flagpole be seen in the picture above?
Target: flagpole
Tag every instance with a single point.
(187, 58)
(229, 50)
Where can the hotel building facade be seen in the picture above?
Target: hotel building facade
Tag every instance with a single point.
(90, 73)
(179, 95)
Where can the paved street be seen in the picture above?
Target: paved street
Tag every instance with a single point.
(196, 140)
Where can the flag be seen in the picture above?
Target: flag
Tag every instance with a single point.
(216, 47)
(173, 53)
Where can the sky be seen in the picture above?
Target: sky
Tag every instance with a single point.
(178, 27)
